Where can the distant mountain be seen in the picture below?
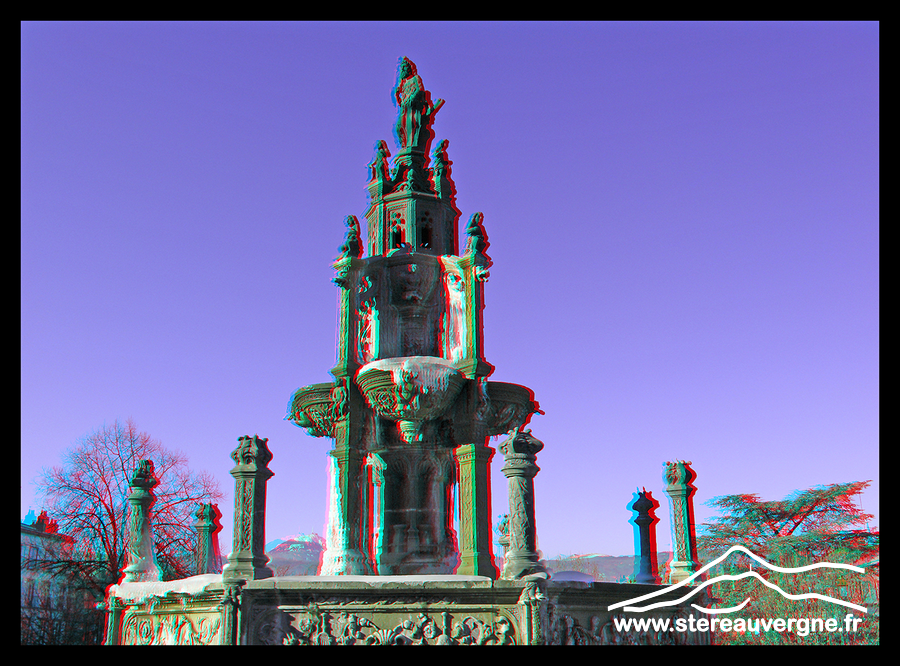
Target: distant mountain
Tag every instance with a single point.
(298, 555)
(301, 555)
(606, 568)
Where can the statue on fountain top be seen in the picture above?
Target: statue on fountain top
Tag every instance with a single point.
(416, 112)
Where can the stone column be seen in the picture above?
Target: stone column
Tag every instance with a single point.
(645, 552)
(344, 555)
(374, 530)
(208, 558)
(520, 451)
(475, 510)
(248, 559)
(141, 550)
(678, 476)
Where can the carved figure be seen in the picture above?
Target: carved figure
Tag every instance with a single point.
(477, 239)
(351, 246)
(440, 159)
(339, 396)
(415, 109)
(476, 245)
(379, 165)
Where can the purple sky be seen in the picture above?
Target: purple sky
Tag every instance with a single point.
(683, 221)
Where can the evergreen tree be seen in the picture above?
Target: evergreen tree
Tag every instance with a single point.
(821, 524)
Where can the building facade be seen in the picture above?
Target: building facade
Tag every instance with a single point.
(53, 611)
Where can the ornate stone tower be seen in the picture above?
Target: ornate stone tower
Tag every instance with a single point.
(411, 408)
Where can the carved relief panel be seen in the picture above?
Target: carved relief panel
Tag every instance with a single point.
(140, 628)
(354, 624)
(410, 326)
(455, 331)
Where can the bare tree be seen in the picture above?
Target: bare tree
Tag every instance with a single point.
(86, 495)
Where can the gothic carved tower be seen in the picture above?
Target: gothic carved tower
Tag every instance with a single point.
(410, 408)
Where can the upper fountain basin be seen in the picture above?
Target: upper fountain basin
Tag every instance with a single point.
(410, 388)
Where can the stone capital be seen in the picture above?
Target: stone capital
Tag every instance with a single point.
(252, 456)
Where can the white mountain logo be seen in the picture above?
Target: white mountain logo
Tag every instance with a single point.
(748, 574)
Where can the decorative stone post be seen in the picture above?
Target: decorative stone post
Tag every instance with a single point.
(645, 538)
(209, 560)
(248, 559)
(141, 550)
(113, 619)
(475, 510)
(535, 619)
(678, 476)
(231, 611)
(522, 559)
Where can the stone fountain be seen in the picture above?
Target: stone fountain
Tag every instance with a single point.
(411, 411)
(411, 396)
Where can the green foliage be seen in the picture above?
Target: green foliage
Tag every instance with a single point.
(821, 524)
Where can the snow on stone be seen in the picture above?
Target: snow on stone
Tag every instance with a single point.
(192, 585)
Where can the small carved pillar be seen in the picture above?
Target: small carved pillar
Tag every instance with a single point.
(141, 551)
(535, 619)
(209, 560)
(520, 451)
(475, 510)
(231, 615)
(645, 538)
(114, 609)
(248, 559)
(678, 476)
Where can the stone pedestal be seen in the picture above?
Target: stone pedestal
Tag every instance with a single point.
(140, 554)
(208, 558)
(416, 533)
(248, 559)
(679, 476)
(522, 558)
(645, 521)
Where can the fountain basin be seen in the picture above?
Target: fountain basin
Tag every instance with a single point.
(508, 407)
(312, 407)
(410, 388)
